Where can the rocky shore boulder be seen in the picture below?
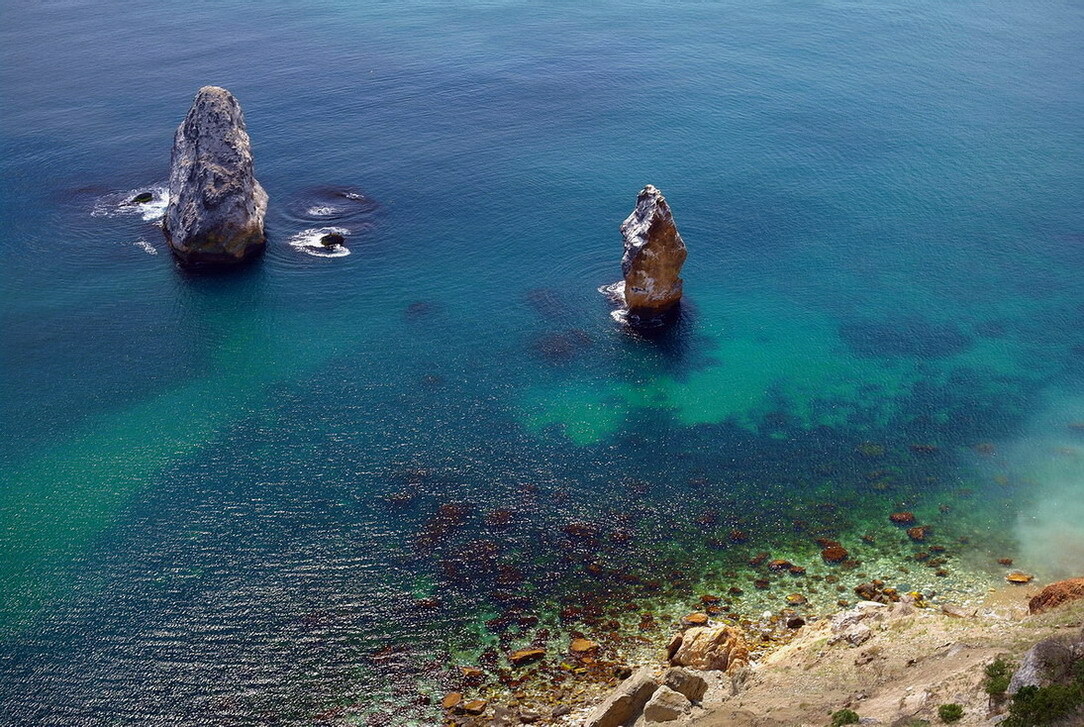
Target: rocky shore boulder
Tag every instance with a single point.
(708, 648)
(216, 207)
(665, 705)
(651, 264)
(626, 702)
(1056, 594)
(1048, 662)
(686, 682)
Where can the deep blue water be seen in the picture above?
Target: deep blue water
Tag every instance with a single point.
(221, 492)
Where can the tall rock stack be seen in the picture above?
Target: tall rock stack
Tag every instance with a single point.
(216, 207)
(651, 264)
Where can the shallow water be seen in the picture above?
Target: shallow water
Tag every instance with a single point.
(222, 492)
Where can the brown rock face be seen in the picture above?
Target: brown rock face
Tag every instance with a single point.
(1056, 594)
(651, 264)
(721, 648)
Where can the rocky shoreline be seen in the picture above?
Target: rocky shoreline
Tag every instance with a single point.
(893, 661)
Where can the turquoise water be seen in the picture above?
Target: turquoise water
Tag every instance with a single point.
(221, 492)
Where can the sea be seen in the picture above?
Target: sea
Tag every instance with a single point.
(308, 490)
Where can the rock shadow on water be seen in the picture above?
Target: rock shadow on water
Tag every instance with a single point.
(910, 337)
(676, 344)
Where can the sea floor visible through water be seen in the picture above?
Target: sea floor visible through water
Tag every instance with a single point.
(321, 484)
(627, 578)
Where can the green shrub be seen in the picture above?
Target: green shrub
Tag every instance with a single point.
(844, 716)
(950, 712)
(998, 674)
(1042, 705)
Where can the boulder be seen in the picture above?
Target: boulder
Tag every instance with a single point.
(721, 648)
(651, 265)
(1056, 594)
(216, 207)
(1048, 662)
(957, 611)
(626, 702)
(665, 705)
(686, 682)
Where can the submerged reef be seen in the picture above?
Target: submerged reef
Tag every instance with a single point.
(216, 207)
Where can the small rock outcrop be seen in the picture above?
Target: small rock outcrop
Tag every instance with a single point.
(708, 648)
(216, 207)
(651, 264)
(1056, 594)
(665, 705)
(626, 702)
(1048, 662)
(686, 682)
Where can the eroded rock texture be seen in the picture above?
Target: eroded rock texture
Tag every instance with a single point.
(216, 207)
(651, 264)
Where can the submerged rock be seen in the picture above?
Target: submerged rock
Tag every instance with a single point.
(582, 647)
(332, 239)
(525, 656)
(141, 198)
(651, 264)
(216, 207)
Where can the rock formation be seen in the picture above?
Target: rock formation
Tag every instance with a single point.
(709, 647)
(686, 682)
(1048, 662)
(216, 207)
(626, 702)
(1056, 594)
(651, 264)
(665, 705)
